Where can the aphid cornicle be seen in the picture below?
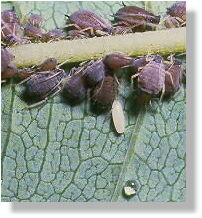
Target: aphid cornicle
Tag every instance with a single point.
(105, 92)
(136, 18)
(87, 21)
(173, 77)
(117, 60)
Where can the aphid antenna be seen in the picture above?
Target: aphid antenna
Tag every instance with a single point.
(123, 3)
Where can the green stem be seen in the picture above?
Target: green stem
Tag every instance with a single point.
(164, 42)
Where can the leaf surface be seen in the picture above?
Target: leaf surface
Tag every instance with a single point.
(60, 152)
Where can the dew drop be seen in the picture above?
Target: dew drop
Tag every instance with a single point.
(130, 188)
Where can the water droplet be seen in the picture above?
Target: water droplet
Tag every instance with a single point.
(130, 188)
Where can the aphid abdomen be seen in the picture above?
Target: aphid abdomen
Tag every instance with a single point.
(94, 73)
(85, 19)
(105, 92)
(173, 78)
(152, 78)
(117, 60)
(44, 83)
(74, 88)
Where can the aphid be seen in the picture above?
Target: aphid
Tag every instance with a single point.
(118, 116)
(105, 92)
(178, 9)
(48, 64)
(173, 77)
(94, 73)
(136, 18)
(9, 16)
(33, 32)
(43, 85)
(87, 21)
(35, 20)
(74, 87)
(6, 58)
(8, 29)
(151, 78)
(8, 70)
(53, 35)
(176, 15)
(117, 60)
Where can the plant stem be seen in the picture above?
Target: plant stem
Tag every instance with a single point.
(163, 42)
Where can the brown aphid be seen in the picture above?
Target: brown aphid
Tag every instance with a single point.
(9, 72)
(176, 15)
(136, 18)
(74, 87)
(173, 77)
(9, 16)
(105, 92)
(9, 29)
(87, 21)
(33, 32)
(117, 60)
(53, 35)
(48, 64)
(6, 58)
(178, 9)
(151, 78)
(35, 20)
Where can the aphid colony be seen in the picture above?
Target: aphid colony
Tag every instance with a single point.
(85, 24)
(95, 80)
(14, 31)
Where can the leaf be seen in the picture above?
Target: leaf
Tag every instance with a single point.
(63, 153)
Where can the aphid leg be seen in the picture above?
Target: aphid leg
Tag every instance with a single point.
(36, 104)
(171, 78)
(73, 25)
(88, 29)
(133, 77)
(101, 33)
(48, 96)
(162, 92)
(25, 80)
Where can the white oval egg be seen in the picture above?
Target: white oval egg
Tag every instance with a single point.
(118, 116)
